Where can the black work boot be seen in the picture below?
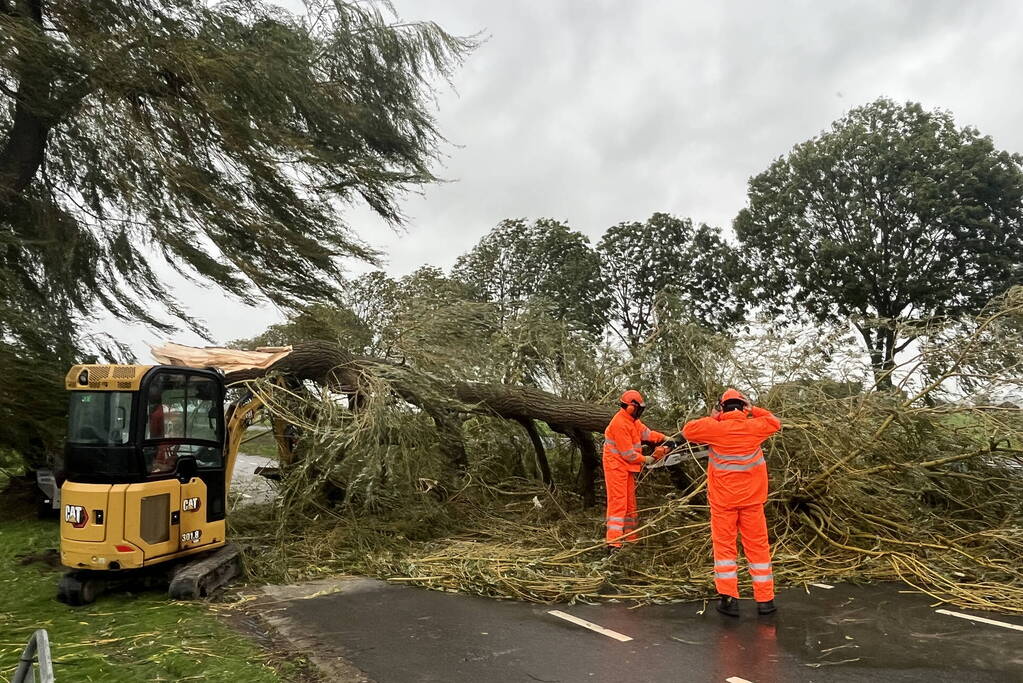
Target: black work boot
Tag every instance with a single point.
(728, 605)
(766, 607)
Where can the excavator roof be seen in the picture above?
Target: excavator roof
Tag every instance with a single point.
(105, 377)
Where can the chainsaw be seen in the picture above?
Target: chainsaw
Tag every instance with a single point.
(674, 458)
(666, 461)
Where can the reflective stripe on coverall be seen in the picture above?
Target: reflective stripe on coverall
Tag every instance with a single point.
(623, 457)
(736, 490)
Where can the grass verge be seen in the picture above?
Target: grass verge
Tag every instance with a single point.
(259, 443)
(122, 636)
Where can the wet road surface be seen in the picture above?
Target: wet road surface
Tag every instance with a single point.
(398, 634)
(247, 487)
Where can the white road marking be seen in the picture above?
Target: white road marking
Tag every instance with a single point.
(736, 679)
(822, 585)
(982, 620)
(590, 625)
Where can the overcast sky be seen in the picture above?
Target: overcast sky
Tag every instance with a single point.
(596, 112)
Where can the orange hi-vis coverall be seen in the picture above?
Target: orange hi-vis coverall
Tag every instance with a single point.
(737, 490)
(623, 457)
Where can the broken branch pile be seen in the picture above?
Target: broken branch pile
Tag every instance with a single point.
(921, 485)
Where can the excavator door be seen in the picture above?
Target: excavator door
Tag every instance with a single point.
(183, 447)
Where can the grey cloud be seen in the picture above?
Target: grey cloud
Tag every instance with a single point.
(599, 112)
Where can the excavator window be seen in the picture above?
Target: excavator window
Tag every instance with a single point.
(123, 436)
(164, 407)
(183, 411)
(202, 409)
(100, 437)
(100, 418)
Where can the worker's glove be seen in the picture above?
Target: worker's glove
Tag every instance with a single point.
(660, 452)
(648, 459)
(670, 445)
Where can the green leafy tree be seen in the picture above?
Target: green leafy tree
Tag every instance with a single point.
(318, 322)
(537, 347)
(518, 261)
(425, 317)
(32, 404)
(220, 140)
(681, 366)
(439, 324)
(641, 260)
(892, 219)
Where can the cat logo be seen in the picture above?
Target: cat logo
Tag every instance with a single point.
(191, 536)
(77, 515)
(190, 504)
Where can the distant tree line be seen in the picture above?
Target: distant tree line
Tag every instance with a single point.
(893, 219)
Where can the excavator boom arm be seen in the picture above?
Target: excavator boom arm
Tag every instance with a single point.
(240, 416)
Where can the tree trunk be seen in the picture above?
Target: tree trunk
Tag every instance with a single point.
(874, 339)
(588, 467)
(328, 364)
(538, 449)
(315, 361)
(24, 149)
(513, 402)
(888, 365)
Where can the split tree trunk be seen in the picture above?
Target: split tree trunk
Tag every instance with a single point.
(328, 364)
(325, 363)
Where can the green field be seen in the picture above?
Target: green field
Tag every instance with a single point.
(259, 443)
(122, 636)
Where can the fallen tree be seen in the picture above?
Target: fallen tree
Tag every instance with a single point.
(921, 484)
(327, 364)
(330, 366)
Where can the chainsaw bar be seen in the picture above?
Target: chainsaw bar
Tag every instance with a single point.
(667, 461)
(675, 458)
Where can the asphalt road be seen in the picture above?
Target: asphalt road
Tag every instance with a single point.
(248, 487)
(397, 634)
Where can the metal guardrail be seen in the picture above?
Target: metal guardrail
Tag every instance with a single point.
(38, 647)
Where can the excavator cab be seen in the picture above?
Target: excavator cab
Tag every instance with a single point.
(147, 468)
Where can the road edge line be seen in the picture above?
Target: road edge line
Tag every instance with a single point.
(982, 620)
(590, 625)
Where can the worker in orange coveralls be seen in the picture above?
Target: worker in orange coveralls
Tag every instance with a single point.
(737, 490)
(623, 457)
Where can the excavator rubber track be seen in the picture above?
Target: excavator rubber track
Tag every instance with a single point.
(202, 577)
(77, 588)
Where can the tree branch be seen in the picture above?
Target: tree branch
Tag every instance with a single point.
(909, 340)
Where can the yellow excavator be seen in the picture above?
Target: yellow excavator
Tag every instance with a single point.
(147, 468)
